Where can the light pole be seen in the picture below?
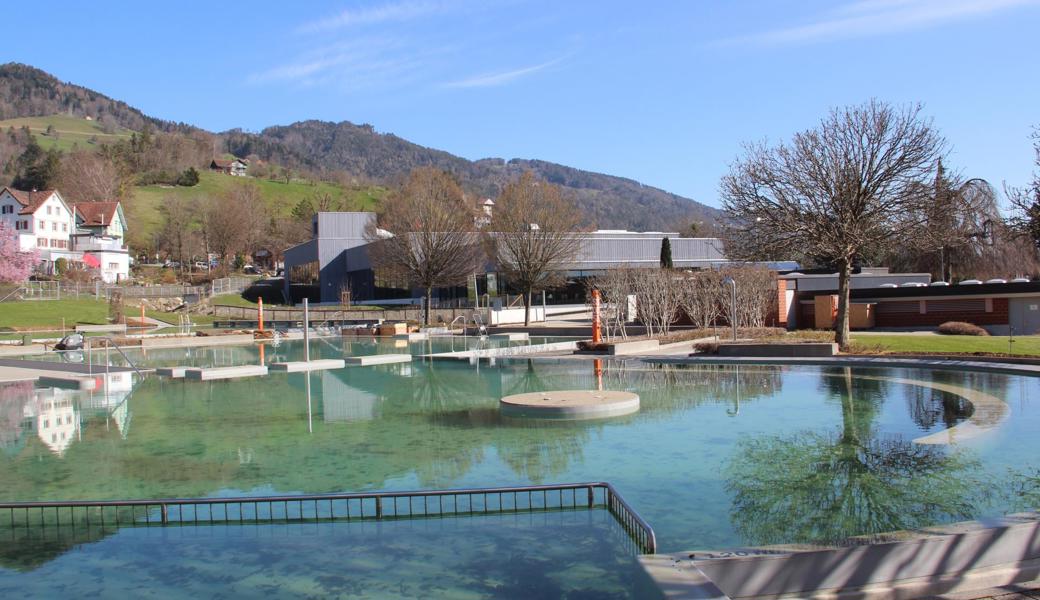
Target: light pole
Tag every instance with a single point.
(733, 304)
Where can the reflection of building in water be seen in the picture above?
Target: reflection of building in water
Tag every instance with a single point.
(57, 415)
(342, 402)
(55, 418)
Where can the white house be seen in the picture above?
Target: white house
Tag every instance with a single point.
(43, 220)
(100, 229)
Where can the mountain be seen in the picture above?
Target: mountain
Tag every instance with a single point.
(324, 147)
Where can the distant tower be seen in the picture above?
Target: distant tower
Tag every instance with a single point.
(489, 206)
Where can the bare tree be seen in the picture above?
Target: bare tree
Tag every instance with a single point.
(756, 295)
(178, 235)
(86, 176)
(426, 234)
(701, 297)
(236, 222)
(834, 193)
(658, 297)
(1024, 220)
(615, 287)
(535, 232)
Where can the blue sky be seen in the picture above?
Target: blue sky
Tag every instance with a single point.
(662, 92)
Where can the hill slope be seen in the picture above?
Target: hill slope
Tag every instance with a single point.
(67, 131)
(608, 201)
(279, 197)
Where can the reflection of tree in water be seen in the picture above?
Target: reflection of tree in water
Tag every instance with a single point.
(13, 398)
(664, 388)
(1022, 490)
(826, 487)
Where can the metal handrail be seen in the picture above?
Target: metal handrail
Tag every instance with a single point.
(380, 505)
(111, 344)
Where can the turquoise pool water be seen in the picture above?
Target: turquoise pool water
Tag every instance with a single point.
(717, 457)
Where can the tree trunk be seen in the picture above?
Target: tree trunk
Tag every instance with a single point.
(841, 325)
(527, 307)
(426, 310)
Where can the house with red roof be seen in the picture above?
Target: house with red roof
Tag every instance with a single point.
(90, 233)
(234, 166)
(42, 219)
(99, 235)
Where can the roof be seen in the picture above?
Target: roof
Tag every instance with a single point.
(97, 214)
(30, 201)
(224, 164)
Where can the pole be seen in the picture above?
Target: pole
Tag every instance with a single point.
(733, 308)
(306, 331)
(545, 316)
(260, 313)
(732, 305)
(595, 317)
(142, 314)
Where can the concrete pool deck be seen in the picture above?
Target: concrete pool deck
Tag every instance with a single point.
(962, 560)
(12, 370)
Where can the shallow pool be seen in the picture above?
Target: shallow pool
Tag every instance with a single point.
(717, 457)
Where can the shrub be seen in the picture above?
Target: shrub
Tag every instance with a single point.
(961, 328)
(706, 348)
(168, 277)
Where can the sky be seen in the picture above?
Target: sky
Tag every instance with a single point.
(663, 92)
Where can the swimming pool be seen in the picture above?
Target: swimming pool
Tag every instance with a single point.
(717, 457)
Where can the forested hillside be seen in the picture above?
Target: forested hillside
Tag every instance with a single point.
(77, 130)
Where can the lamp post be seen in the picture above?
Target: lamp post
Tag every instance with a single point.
(733, 304)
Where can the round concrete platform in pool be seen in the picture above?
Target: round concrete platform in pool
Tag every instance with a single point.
(570, 404)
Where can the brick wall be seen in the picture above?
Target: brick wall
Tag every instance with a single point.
(997, 316)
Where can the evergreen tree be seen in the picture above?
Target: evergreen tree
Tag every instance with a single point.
(666, 254)
(304, 210)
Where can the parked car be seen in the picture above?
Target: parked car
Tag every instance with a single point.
(202, 265)
(251, 270)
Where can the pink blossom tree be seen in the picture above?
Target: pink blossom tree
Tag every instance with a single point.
(15, 264)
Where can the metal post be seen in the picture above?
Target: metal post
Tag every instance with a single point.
(545, 315)
(733, 305)
(260, 313)
(595, 317)
(306, 331)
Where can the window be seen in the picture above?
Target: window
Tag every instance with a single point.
(41, 242)
(113, 266)
(54, 226)
(48, 210)
(6, 210)
(65, 227)
(59, 244)
(43, 225)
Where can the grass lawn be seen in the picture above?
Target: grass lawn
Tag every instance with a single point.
(69, 131)
(49, 313)
(966, 344)
(40, 314)
(143, 209)
(233, 300)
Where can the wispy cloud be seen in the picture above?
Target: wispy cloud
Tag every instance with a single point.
(365, 63)
(405, 10)
(499, 78)
(863, 18)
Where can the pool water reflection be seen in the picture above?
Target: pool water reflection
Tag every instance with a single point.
(717, 456)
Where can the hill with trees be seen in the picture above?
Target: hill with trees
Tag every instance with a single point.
(148, 151)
